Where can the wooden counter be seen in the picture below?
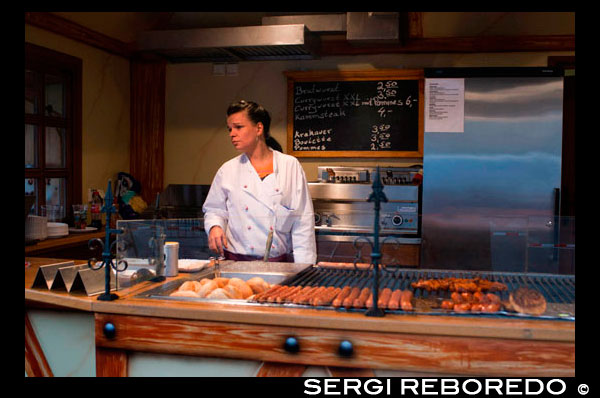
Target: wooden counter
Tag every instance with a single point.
(73, 246)
(405, 342)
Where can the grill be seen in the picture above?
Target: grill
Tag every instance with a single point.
(559, 290)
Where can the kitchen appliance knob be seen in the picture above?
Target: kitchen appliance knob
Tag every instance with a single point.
(109, 330)
(345, 349)
(397, 220)
(291, 345)
(317, 219)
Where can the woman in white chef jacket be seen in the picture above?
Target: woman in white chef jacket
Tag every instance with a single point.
(259, 191)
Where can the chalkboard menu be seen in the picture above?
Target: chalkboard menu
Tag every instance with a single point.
(355, 114)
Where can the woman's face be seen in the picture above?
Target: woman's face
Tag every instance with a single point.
(243, 132)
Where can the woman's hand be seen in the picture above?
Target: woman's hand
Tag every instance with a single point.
(217, 240)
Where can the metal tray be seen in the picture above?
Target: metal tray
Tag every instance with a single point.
(271, 272)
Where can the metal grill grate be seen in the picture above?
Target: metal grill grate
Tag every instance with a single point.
(559, 290)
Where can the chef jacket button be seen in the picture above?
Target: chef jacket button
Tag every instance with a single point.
(276, 189)
(245, 186)
(246, 208)
(249, 227)
(271, 228)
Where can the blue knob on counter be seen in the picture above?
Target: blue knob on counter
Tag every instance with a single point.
(291, 345)
(346, 349)
(109, 330)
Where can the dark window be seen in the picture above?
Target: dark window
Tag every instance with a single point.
(52, 128)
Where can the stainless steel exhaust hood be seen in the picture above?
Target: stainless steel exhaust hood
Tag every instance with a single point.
(249, 43)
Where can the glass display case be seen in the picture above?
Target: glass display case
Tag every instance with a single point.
(140, 245)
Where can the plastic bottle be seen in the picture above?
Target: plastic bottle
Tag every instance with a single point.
(95, 210)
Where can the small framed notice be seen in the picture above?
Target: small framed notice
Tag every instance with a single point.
(444, 105)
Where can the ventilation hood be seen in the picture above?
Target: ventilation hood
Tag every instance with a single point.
(233, 44)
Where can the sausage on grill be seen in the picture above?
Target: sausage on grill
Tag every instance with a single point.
(281, 298)
(328, 297)
(406, 300)
(320, 292)
(349, 300)
(384, 297)
(337, 301)
(394, 302)
(261, 297)
(359, 302)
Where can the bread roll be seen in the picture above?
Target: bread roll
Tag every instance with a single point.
(218, 293)
(204, 281)
(233, 291)
(242, 286)
(257, 284)
(207, 288)
(245, 289)
(236, 281)
(221, 282)
(184, 293)
(190, 285)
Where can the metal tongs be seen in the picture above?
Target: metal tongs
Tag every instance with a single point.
(268, 248)
(215, 262)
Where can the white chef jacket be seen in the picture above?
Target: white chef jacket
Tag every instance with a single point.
(247, 208)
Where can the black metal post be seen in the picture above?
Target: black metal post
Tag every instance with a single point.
(377, 196)
(107, 258)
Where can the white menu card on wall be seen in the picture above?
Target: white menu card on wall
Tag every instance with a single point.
(444, 105)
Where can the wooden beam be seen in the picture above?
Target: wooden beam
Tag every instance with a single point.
(74, 31)
(415, 25)
(111, 363)
(453, 45)
(275, 369)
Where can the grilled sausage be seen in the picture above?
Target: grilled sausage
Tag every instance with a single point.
(320, 292)
(456, 297)
(493, 298)
(282, 297)
(297, 292)
(359, 302)
(337, 301)
(406, 300)
(462, 307)
(295, 298)
(384, 297)
(447, 304)
(394, 302)
(261, 297)
(272, 298)
(327, 298)
(491, 307)
(349, 300)
(478, 297)
(303, 298)
(369, 302)
(313, 294)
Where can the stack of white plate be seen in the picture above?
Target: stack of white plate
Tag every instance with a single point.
(57, 229)
(36, 228)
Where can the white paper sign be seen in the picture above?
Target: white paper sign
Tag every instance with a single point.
(444, 105)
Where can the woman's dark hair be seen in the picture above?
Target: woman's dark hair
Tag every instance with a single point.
(256, 113)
